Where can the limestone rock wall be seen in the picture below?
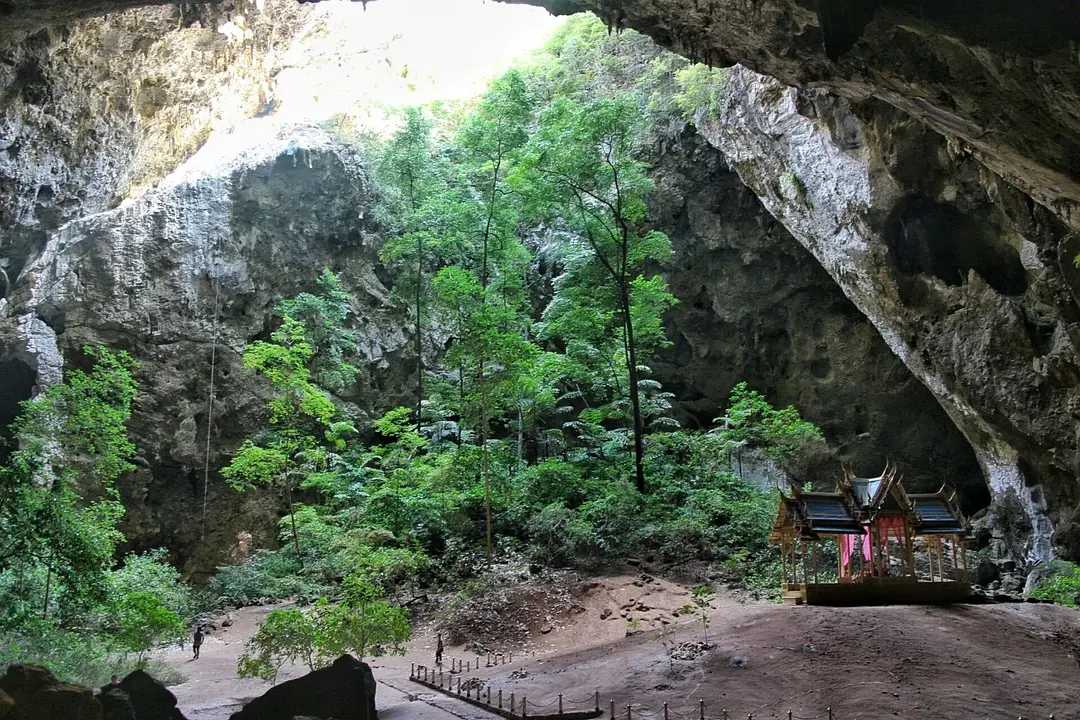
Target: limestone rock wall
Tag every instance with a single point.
(966, 278)
(207, 254)
(755, 305)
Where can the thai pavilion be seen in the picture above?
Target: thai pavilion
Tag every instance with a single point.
(890, 546)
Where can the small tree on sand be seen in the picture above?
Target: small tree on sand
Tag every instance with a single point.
(365, 624)
(702, 598)
(145, 622)
(286, 636)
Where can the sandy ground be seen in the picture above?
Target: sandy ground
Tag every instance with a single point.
(964, 661)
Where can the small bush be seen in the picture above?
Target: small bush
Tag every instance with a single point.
(1062, 586)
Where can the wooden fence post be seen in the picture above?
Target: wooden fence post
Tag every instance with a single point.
(511, 703)
(829, 710)
(701, 708)
(412, 670)
(612, 708)
(628, 714)
(560, 703)
(488, 701)
(597, 697)
(666, 712)
(524, 707)
(500, 698)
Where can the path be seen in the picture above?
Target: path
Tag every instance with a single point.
(962, 662)
(213, 691)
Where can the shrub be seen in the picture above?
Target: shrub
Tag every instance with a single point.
(1062, 586)
(145, 622)
(285, 636)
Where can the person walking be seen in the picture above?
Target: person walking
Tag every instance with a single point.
(196, 642)
(439, 650)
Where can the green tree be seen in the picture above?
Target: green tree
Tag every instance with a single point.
(751, 420)
(365, 624)
(285, 636)
(582, 169)
(305, 430)
(482, 293)
(409, 173)
(144, 622)
(323, 315)
(59, 508)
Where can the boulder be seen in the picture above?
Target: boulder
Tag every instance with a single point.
(7, 706)
(29, 692)
(986, 572)
(149, 698)
(116, 705)
(62, 700)
(343, 691)
(22, 682)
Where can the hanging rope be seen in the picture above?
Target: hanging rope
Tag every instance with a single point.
(210, 405)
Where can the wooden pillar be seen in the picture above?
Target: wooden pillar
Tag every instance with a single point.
(839, 558)
(873, 551)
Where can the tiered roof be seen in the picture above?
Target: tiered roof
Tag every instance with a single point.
(858, 501)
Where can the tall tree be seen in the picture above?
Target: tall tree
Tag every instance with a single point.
(59, 507)
(581, 169)
(484, 290)
(410, 176)
(305, 424)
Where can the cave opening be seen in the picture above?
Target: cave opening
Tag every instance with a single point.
(926, 237)
(17, 380)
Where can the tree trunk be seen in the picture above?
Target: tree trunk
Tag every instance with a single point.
(635, 398)
(419, 333)
(292, 519)
(48, 588)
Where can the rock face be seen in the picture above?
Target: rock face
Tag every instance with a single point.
(756, 306)
(345, 690)
(93, 112)
(1003, 79)
(965, 277)
(150, 700)
(35, 694)
(207, 255)
(923, 154)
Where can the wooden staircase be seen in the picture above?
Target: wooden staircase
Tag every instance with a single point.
(794, 594)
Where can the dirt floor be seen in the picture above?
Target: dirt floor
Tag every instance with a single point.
(625, 638)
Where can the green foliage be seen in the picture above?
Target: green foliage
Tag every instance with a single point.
(323, 316)
(701, 90)
(521, 231)
(1062, 586)
(75, 655)
(144, 621)
(59, 508)
(150, 572)
(363, 624)
(285, 636)
(782, 433)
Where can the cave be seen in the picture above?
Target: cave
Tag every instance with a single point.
(17, 381)
(926, 237)
(916, 298)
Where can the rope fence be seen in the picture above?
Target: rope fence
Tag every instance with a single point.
(458, 665)
(513, 706)
(476, 691)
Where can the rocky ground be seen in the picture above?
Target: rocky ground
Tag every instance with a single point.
(626, 638)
